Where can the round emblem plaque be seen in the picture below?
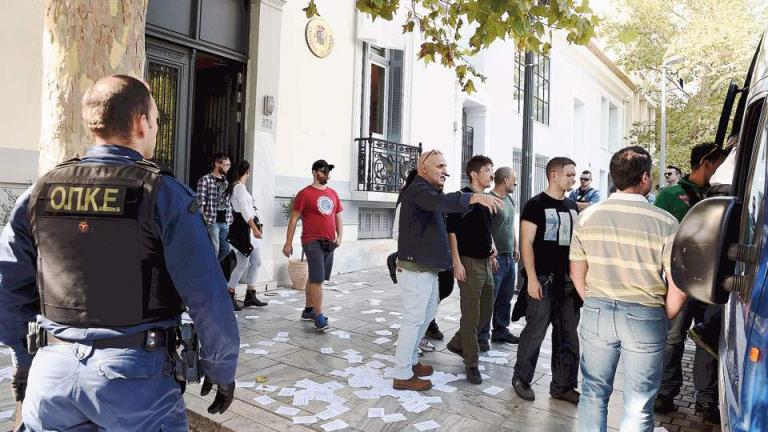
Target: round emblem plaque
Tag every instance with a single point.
(319, 37)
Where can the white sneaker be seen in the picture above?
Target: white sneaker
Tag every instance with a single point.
(426, 346)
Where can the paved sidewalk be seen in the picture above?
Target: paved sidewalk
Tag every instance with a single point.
(340, 387)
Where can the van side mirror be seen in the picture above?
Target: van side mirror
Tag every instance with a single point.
(700, 261)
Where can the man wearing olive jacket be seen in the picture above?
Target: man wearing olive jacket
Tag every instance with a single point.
(422, 253)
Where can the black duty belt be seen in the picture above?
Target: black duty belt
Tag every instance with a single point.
(148, 340)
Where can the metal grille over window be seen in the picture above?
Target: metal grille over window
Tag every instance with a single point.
(375, 223)
(467, 147)
(382, 166)
(163, 80)
(541, 85)
(540, 174)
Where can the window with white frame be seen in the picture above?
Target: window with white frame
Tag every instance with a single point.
(610, 125)
(375, 223)
(382, 110)
(541, 78)
(540, 174)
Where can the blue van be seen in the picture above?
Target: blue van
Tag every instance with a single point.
(720, 255)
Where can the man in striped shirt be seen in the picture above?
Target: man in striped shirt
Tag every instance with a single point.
(619, 254)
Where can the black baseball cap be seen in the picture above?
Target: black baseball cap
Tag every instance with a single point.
(321, 164)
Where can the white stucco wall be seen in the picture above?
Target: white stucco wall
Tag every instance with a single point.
(21, 86)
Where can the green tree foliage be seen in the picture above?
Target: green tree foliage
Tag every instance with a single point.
(715, 39)
(446, 25)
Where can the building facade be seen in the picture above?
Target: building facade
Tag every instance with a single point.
(367, 107)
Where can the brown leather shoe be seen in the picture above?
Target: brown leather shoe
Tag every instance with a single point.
(413, 383)
(422, 370)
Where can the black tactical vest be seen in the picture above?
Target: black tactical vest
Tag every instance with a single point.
(100, 260)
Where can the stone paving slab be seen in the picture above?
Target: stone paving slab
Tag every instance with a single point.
(346, 299)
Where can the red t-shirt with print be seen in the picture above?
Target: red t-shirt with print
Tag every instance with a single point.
(318, 210)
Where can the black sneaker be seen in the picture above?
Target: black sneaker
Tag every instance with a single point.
(710, 412)
(473, 375)
(433, 332)
(571, 396)
(523, 390)
(663, 404)
(484, 346)
(507, 338)
(308, 315)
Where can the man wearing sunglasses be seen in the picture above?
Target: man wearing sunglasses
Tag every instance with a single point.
(677, 200)
(585, 195)
(319, 208)
(672, 175)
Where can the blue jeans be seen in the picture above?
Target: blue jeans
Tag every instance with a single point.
(503, 290)
(218, 233)
(637, 333)
(79, 388)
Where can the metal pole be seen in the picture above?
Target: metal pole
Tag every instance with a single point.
(526, 166)
(663, 145)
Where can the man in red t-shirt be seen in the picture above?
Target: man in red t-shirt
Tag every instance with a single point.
(319, 208)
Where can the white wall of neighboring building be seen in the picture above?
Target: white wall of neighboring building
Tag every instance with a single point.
(21, 87)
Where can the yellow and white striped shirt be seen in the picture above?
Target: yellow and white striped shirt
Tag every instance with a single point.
(626, 243)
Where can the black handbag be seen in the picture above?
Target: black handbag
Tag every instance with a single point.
(240, 235)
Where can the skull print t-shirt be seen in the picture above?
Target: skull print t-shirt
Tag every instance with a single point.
(554, 220)
(318, 210)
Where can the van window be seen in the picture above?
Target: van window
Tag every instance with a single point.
(752, 213)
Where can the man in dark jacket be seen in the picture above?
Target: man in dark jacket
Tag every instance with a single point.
(422, 254)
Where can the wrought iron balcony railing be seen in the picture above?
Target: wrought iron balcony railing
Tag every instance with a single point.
(382, 166)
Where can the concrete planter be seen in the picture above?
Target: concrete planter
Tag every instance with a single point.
(298, 271)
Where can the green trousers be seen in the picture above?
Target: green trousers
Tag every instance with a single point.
(476, 306)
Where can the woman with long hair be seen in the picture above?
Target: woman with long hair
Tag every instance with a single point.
(244, 236)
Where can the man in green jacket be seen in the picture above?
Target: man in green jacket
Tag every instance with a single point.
(678, 199)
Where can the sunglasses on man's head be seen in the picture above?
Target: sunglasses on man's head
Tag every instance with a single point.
(668, 174)
(585, 179)
(431, 152)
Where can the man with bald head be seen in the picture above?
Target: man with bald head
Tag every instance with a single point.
(99, 258)
(422, 253)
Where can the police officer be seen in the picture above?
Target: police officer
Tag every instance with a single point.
(103, 252)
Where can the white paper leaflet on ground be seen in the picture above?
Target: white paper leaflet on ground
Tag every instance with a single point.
(427, 425)
(337, 424)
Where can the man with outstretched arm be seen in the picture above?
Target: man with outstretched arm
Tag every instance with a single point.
(422, 253)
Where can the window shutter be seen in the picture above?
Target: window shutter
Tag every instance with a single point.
(395, 114)
(375, 223)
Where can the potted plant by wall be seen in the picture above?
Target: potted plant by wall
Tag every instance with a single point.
(298, 269)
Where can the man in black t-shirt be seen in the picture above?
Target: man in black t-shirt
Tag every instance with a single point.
(546, 225)
(474, 261)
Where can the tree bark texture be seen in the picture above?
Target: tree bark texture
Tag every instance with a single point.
(83, 40)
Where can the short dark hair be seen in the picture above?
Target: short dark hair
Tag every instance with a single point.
(706, 151)
(112, 103)
(218, 157)
(587, 172)
(558, 163)
(501, 174)
(628, 166)
(677, 169)
(476, 163)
